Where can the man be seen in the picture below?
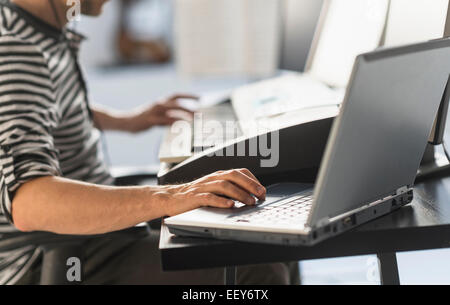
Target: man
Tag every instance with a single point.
(52, 177)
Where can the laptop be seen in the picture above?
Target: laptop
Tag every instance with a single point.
(345, 29)
(370, 163)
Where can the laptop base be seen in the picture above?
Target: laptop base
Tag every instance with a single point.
(314, 236)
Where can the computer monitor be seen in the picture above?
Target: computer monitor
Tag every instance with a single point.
(437, 134)
(299, 23)
(346, 29)
(411, 21)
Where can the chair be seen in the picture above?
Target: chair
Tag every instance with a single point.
(58, 248)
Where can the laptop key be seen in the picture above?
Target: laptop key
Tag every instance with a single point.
(291, 211)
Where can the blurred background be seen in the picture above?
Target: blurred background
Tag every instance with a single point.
(132, 55)
(142, 30)
(141, 50)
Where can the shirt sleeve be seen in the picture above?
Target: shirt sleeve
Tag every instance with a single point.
(28, 114)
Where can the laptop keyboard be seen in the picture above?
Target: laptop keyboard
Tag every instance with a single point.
(290, 211)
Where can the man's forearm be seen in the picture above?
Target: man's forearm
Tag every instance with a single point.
(107, 119)
(64, 206)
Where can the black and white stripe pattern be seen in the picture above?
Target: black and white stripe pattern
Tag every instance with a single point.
(45, 125)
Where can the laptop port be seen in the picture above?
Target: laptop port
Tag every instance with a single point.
(349, 221)
(394, 202)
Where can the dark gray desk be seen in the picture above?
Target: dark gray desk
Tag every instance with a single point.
(425, 224)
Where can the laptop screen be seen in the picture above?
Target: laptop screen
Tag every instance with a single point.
(378, 140)
(347, 29)
(412, 21)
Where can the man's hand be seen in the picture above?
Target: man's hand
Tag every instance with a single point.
(216, 190)
(165, 112)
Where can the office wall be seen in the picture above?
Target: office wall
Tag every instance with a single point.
(100, 48)
(300, 17)
(227, 37)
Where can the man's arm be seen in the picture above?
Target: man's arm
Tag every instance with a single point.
(65, 206)
(108, 119)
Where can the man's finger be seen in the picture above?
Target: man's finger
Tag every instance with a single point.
(211, 200)
(245, 182)
(230, 190)
(250, 174)
(184, 96)
(178, 108)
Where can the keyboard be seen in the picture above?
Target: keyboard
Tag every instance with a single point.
(290, 211)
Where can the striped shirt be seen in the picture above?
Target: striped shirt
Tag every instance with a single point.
(45, 121)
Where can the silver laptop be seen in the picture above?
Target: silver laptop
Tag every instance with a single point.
(370, 163)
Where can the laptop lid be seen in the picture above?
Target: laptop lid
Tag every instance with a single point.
(378, 140)
(346, 29)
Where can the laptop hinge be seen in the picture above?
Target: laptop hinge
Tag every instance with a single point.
(322, 222)
(402, 190)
